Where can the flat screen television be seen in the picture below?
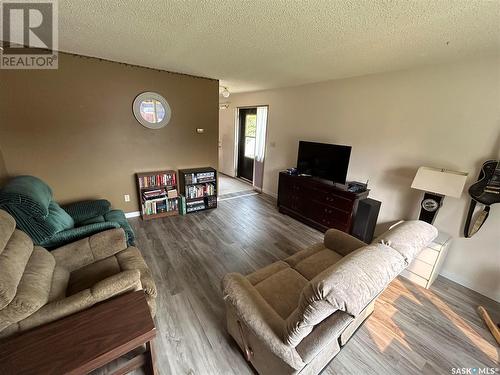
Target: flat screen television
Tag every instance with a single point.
(322, 160)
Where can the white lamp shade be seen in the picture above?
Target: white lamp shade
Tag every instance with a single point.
(440, 181)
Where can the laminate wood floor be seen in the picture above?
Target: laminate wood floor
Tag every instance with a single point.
(231, 185)
(412, 331)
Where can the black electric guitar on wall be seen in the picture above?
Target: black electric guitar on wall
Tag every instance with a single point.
(485, 191)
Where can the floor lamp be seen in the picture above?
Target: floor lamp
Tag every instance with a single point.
(437, 183)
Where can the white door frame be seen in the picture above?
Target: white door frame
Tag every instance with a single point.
(236, 140)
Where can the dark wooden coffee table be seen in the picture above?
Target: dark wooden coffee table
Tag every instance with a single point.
(85, 341)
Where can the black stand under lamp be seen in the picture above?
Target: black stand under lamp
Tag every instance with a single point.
(437, 183)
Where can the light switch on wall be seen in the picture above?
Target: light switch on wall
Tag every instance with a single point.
(127, 198)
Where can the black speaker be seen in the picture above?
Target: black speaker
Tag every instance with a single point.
(366, 219)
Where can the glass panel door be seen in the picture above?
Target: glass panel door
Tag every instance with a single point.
(246, 142)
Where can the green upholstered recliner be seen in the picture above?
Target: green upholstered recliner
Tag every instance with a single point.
(29, 200)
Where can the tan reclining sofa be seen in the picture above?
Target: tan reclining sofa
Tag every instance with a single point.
(38, 286)
(293, 316)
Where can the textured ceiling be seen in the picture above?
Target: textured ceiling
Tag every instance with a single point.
(252, 45)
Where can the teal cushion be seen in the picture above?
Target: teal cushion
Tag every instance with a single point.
(86, 210)
(29, 193)
(58, 219)
(93, 220)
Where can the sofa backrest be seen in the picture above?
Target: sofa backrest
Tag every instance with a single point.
(29, 200)
(349, 285)
(25, 273)
(28, 190)
(353, 282)
(409, 238)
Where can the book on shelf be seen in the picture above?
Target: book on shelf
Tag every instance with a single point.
(182, 205)
(158, 193)
(200, 177)
(198, 187)
(159, 205)
(212, 201)
(200, 191)
(162, 179)
(154, 193)
(195, 205)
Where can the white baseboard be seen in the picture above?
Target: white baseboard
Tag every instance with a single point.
(237, 196)
(128, 215)
(274, 195)
(493, 294)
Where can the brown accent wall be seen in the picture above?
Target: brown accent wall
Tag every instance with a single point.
(3, 169)
(74, 128)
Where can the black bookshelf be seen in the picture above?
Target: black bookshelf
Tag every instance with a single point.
(198, 189)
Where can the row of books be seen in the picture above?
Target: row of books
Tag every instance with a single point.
(157, 206)
(195, 206)
(200, 177)
(159, 193)
(200, 191)
(157, 180)
(212, 201)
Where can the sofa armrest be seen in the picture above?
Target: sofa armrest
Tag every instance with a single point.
(259, 317)
(85, 210)
(88, 250)
(341, 242)
(131, 259)
(75, 234)
(118, 216)
(123, 282)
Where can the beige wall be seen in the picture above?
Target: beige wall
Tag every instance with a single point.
(443, 116)
(74, 128)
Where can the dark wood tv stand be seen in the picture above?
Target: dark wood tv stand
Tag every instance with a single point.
(317, 203)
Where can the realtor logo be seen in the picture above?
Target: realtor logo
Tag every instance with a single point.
(29, 35)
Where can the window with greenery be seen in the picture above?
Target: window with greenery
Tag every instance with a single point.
(250, 129)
